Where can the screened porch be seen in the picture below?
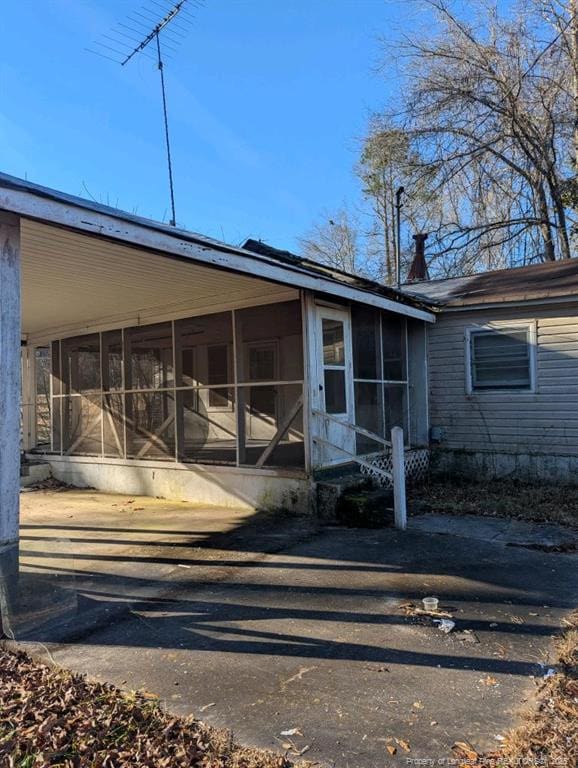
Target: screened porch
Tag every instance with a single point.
(222, 388)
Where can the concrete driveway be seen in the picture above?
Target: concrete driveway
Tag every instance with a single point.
(264, 625)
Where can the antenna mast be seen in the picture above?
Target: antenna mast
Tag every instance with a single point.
(131, 31)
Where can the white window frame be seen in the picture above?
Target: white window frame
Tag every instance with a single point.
(530, 327)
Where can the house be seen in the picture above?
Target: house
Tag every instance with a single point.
(503, 372)
(157, 361)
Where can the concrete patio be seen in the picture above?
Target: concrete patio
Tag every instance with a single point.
(265, 625)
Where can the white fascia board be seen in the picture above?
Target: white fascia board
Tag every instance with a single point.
(236, 260)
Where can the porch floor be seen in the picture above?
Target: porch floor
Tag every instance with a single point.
(264, 625)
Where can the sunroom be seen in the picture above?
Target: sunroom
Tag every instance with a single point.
(160, 362)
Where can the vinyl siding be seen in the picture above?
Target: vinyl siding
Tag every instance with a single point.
(541, 422)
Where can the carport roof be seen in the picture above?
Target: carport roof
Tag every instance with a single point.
(58, 208)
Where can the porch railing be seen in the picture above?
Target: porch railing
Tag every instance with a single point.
(395, 478)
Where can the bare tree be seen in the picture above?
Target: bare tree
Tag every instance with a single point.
(334, 241)
(488, 109)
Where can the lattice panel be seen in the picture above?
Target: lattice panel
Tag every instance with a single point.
(416, 465)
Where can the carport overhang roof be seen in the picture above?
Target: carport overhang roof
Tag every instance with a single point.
(59, 209)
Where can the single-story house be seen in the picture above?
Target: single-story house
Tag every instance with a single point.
(154, 360)
(503, 372)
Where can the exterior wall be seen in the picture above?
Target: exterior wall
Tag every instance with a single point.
(527, 435)
(201, 484)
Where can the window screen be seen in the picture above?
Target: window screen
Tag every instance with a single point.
(500, 359)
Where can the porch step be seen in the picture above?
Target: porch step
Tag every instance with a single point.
(32, 472)
(331, 487)
(365, 507)
(354, 500)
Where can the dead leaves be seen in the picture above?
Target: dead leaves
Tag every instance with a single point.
(464, 750)
(392, 749)
(62, 720)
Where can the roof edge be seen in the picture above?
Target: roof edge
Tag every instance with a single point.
(48, 205)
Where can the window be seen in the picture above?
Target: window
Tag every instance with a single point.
(334, 365)
(500, 358)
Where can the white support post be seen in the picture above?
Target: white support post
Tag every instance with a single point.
(398, 472)
(10, 363)
(9, 377)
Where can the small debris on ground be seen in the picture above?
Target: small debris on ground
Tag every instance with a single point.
(445, 625)
(404, 745)
(411, 609)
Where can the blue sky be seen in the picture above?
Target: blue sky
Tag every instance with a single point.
(267, 101)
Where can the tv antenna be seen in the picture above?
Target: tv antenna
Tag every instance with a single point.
(129, 41)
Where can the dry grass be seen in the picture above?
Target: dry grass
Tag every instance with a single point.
(548, 735)
(53, 718)
(498, 498)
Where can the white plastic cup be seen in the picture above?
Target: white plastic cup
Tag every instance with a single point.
(430, 604)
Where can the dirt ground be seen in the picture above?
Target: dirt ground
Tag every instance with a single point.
(496, 498)
(266, 625)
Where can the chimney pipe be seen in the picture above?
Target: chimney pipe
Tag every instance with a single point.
(418, 269)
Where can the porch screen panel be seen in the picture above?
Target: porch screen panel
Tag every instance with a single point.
(269, 353)
(149, 357)
(220, 388)
(380, 374)
(112, 361)
(207, 433)
(81, 422)
(365, 329)
(56, 414)
(113, 424)
(113, 396)
(206, 413)
(150, 425)
(80, 360)
(42, 395)
(56, 376)
(393, 341)
(80, 376)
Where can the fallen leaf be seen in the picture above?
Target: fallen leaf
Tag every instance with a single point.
(291, 732)
(404, 744)
(391, 749)
(489, 680)
(465, 750)
(418, 704)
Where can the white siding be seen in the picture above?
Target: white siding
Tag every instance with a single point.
(540, 422)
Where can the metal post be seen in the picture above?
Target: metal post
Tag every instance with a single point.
(398, 472)
(398, 207)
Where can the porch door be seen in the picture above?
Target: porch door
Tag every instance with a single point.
(334, 385)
